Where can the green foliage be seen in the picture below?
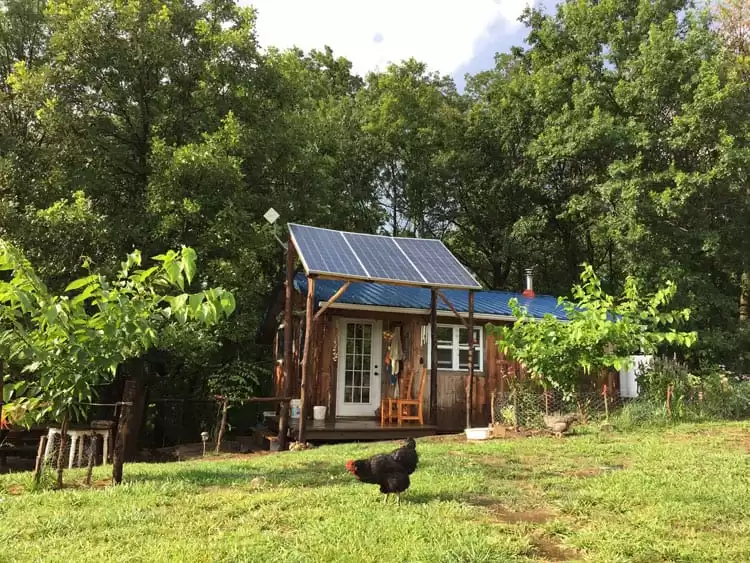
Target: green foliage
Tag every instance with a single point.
(65, 345)
(615, 136)
(601, 332)
(236, 381)
(709, 393)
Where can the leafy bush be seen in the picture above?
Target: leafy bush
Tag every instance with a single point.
(660, 374)
(641, 413)
(602, 332)
(709, 393)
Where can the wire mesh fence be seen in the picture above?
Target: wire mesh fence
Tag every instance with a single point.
(528, 408)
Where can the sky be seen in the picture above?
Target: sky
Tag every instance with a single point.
(450, 36)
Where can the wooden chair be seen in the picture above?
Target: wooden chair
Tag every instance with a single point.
(388, 405)
(405, 406)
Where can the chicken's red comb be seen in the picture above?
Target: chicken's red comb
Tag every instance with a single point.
(350, 466)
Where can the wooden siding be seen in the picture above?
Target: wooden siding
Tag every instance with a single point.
(452, 386)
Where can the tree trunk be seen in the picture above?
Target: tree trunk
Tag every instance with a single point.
(433, 359)
(470, 390)
(303, 394)
(222, 425)
(2, 383)
(124, 425)
(745, 296)
(288, 351)
(61, 452)
(136, 370)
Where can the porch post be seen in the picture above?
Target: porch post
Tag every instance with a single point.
(306, 359)
(288, 336)
(434, 358)
(470, 390)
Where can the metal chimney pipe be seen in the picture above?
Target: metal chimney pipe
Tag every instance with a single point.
(529, 291)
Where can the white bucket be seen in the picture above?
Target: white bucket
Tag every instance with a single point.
(295, 405)
(319, 413)
(477, 433)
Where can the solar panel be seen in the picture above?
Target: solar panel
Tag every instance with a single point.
(325, 251)
(436, 263)
(420, 262)
(384, 258)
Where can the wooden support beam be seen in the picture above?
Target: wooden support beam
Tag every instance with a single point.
(306, 360)
(470, 390)
(332, 300)
(452, 308)
(434, 359)
(288, 336)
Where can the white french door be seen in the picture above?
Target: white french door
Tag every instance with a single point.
(359, 367)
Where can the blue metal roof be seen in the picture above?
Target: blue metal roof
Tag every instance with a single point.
(490, 303)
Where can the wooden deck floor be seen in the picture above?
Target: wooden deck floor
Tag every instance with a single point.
(359, 429)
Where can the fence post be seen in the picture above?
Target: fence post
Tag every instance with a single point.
(606, 403)
(492, 408)
(92, 457)
(61, 453)
(223, 424)
(39, 465)
(669, 400)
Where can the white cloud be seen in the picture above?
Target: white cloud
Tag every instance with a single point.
(373, 33)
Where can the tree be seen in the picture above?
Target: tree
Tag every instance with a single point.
(601, 332)
(407, 114)
(68, 344)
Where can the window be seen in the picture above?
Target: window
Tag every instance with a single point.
(453, 348)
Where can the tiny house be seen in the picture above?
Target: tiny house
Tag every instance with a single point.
(372, 314)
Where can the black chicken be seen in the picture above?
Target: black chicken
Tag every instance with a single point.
(390, 471)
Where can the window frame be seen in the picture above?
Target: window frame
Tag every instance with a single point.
(456, 347)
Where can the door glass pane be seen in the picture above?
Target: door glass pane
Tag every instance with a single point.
(359, 362)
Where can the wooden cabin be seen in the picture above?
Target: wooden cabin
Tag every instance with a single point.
(360, 329)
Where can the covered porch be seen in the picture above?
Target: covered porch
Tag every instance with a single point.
(355, 430)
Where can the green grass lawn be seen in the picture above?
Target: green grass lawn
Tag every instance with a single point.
(681, 494)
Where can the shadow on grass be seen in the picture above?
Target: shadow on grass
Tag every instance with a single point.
(304, 475)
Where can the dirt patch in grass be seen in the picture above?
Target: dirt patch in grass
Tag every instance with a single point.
(502, 514)
(551, 550)
(16, 490)
(510, 434)
(583, 473)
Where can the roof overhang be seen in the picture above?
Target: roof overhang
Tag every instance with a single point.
(421, 312)
(411, 311)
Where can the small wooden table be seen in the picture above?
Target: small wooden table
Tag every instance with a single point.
(77, 442)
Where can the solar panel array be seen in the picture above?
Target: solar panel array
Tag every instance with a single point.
(421, 262)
